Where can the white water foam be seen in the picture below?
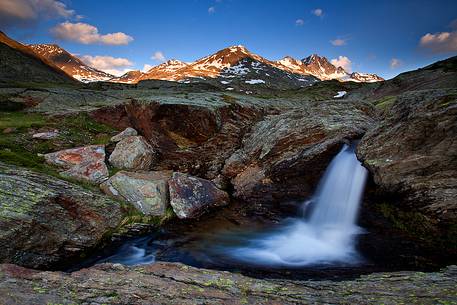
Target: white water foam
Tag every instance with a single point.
(328, 236)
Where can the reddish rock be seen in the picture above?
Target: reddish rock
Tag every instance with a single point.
(83, 163)
(191, 196)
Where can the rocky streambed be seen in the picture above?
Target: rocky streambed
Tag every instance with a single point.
(238, 158)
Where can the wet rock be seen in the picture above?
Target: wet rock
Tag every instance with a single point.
(147, 191)
(412, 153)
(174, 283)
(191, 196)
(133, 152)
(128, 132)
(82, 163)
(284, 155)
(46, 222)
(47, 135)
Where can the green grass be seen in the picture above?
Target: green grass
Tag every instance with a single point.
(385, 103)
(21, 120)
(19, 148)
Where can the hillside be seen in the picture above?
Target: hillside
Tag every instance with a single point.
(20, 64)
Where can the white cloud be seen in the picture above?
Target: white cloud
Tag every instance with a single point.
(344, 62)
(26, 12)
(211, 10)
(113, 65)
(338, 42)
(318, 12)
(395, 63)
(88, 34)
(158, 55)
(118, 72)
(146, 68)
(443, 42)
(299, 22)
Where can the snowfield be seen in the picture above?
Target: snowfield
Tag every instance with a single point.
(255, 81)
(340, 94)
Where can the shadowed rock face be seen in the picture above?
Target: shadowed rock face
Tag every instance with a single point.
(412, 154)
(171, 283)
(20, 64)
(284, 155)
(266, 157)
(45, 221)
(191, 196)
(189, 138)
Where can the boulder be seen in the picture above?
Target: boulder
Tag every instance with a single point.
(82, 163)
(133, 152)
(191, 196)
(412, 153)
(128, 132)
(46, 222)
(46, 135)
(147, 191)
(284, 155)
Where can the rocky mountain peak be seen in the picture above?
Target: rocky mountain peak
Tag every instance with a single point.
(69, 63)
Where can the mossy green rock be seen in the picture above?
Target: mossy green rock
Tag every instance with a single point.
(45, 221)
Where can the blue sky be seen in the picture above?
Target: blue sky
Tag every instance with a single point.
(382, 37)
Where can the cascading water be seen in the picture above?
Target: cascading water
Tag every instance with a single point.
(328, 235)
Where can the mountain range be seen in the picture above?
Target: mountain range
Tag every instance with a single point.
(235, 64)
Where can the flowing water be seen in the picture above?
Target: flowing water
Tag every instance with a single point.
(322, 235)
(328, 234)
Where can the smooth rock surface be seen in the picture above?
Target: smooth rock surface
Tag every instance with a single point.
(82, 163)
(133, 152)
(128, 132)
(47, 135)
(191, 196)
(45, 221)
(174, 283)
(412, 154)
(147, 191)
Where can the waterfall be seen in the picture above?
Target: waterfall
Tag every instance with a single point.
(327, 236)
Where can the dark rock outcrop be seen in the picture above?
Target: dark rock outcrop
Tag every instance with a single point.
(191, 196)
(171, 283)
(45, 221)
(412, 154)
(284, 155)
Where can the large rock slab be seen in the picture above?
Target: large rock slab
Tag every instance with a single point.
(82, 163)
(191, 196)
(173, 283)
(147, 191)
(45, 221)
(284, 155)
(133, 152)
(412, 154)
